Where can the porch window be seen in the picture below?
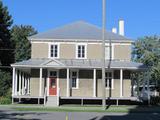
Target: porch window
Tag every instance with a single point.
(108, 80)
(53, 73)
(81, 51)
(74, 79)
(54, 51)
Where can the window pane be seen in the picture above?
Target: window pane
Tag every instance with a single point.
(106, 82)
(109, 74)
(106, 52)
(55, 55)
(74, 82)
(79, 51)
(110, 83)
(55, 47)
(79, 55)
(74, 74)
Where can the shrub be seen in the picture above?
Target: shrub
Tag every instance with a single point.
(5, 100)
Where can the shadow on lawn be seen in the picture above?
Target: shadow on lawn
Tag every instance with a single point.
(137, 113)
(18, 116)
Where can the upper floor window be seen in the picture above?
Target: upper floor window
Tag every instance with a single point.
(54, 51)
(107, 52)
(81, 51)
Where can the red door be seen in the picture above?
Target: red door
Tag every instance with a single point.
(53, 86)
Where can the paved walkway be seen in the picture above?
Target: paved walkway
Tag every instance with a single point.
(8, 114)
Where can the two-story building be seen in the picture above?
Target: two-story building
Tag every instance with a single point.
(66, 64)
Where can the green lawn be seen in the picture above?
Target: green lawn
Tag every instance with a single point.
(116, 109)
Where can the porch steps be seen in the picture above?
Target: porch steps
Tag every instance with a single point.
(51, 101)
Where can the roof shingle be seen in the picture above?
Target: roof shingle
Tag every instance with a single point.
(79, 30)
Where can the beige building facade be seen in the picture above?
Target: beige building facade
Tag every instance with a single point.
(66, 64)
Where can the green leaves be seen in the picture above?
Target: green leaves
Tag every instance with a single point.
(21, 44)
(147, 51)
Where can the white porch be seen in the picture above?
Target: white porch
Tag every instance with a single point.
(21, 87)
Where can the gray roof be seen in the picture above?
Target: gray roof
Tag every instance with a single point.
(79, 30)
(78, 63)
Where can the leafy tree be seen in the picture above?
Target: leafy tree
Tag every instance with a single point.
(6, 56)
(21, 43)
(5, 82)
(147, 51)
(6, 53)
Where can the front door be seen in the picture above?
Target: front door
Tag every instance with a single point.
(52, 86)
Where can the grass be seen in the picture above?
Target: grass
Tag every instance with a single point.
(111, 109)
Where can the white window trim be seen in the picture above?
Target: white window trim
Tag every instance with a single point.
(84, 52)
(77, 83)
(112, 80)
(49, 52)
(112, 48)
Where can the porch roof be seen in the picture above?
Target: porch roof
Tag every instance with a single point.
(77, 63)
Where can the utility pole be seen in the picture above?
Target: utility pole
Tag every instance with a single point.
(103, 54)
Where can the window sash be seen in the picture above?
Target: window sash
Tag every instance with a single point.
(81, 51)
(54, 51)
(74, 79)
(108, 79)
(107, 53)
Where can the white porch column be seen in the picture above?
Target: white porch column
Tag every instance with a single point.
(16, 77)
(28, 84)
(121, 83)
(13, 81)
(68, 83)
(94, 83)
(40, 82)
(20, 82)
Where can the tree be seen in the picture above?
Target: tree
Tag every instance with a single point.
(5, 82)
(6, 53)
(147, 51)
(6, 56)
(21, 44)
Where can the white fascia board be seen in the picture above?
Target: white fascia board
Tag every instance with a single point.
(78, 40)
(76, 67)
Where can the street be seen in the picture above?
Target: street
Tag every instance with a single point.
(9, 114)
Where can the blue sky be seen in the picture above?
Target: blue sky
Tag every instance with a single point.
(141, 16)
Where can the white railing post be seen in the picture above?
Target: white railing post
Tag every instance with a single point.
(16, 76)
(94, 83)
(20, 82)
(13, 81)
(121, 83)
(68, 83)
(40, 83)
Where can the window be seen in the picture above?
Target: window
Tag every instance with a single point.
(107, 53)
(81, 51)
(54, 51)
(53, 73)
(108, 80)
(74, 78)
